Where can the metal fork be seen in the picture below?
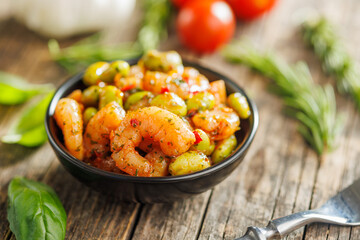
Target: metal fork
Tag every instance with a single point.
(342, 209)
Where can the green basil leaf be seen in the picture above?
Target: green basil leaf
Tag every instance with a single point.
(35, 211)
(15, 90)
(29, 130)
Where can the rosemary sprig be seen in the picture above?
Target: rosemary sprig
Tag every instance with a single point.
(312, 105)
(153, 30)
(320, 34)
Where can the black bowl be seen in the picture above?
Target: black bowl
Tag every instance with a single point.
(146, 189)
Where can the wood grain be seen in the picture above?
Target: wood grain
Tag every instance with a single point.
(279, 176)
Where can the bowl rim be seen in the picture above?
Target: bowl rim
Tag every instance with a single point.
(136, 179)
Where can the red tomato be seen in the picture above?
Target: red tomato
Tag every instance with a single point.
(250, 9)
(179, 3)
(205, 25)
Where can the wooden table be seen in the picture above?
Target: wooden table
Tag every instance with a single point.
(280, 175)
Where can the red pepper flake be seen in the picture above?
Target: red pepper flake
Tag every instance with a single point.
(134, 122)
(195, 92)
(197, 137)
(186, 79)
(164, 90)
(127, 88)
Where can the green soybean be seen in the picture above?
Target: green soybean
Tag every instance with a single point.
(93, 72)
(205, 146)
(88, 114)
(162, 61)
(109, 94)
(223, 149)
(201, 101)
(189, 162)
(115, 67)
(171, 102)
(90, 96)
(135, 98)
(238, 102)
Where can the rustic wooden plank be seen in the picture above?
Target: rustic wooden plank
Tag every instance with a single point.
(179, 220)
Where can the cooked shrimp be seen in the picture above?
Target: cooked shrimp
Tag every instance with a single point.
(97, 139)
(219, 123)
(160, 163)
(182, 85)
(68, 117)
(164, 128)
(132, 80)
(136, 71)
(148, 145)
(127, 83)
(218, 89)
(157, 82)
(196, 81)
(76, 95)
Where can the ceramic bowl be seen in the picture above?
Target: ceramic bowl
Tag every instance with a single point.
(156, 189)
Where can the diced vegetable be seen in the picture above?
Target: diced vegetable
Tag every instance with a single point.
(189, 162)
(223, 149)
(239, 103)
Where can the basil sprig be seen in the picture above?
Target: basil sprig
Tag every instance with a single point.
(35, 211)
(29, 130)
(14, 90)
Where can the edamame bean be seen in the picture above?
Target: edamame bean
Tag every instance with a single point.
(93, 72)
(136, 97)
(171, 102)
(189, 162)
(90, 96)
(205, 146)
(88, 114)
(109, 94)
(162, 61)
(223, 149)
(238, 102)
(119, 66)
(201, 101)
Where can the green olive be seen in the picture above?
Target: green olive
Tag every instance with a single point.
(88, 114)
(90, 96)
(162, 61)
(93, 72)
(205, 146)
(109, 94)
(119, 66)
(201, 101)
(189, 162)
(136, 97)
(238, 102)
(171, 102)
(223, 149)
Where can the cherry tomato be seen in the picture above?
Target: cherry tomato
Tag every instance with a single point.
(250, 9)
(205, 25)
(179, 3)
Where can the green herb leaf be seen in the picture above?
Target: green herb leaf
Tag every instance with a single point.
(320, 34)
(15, 90)
(29, 130)
(312, 105)
(154, 25)
(35, 211)
(87, 51)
